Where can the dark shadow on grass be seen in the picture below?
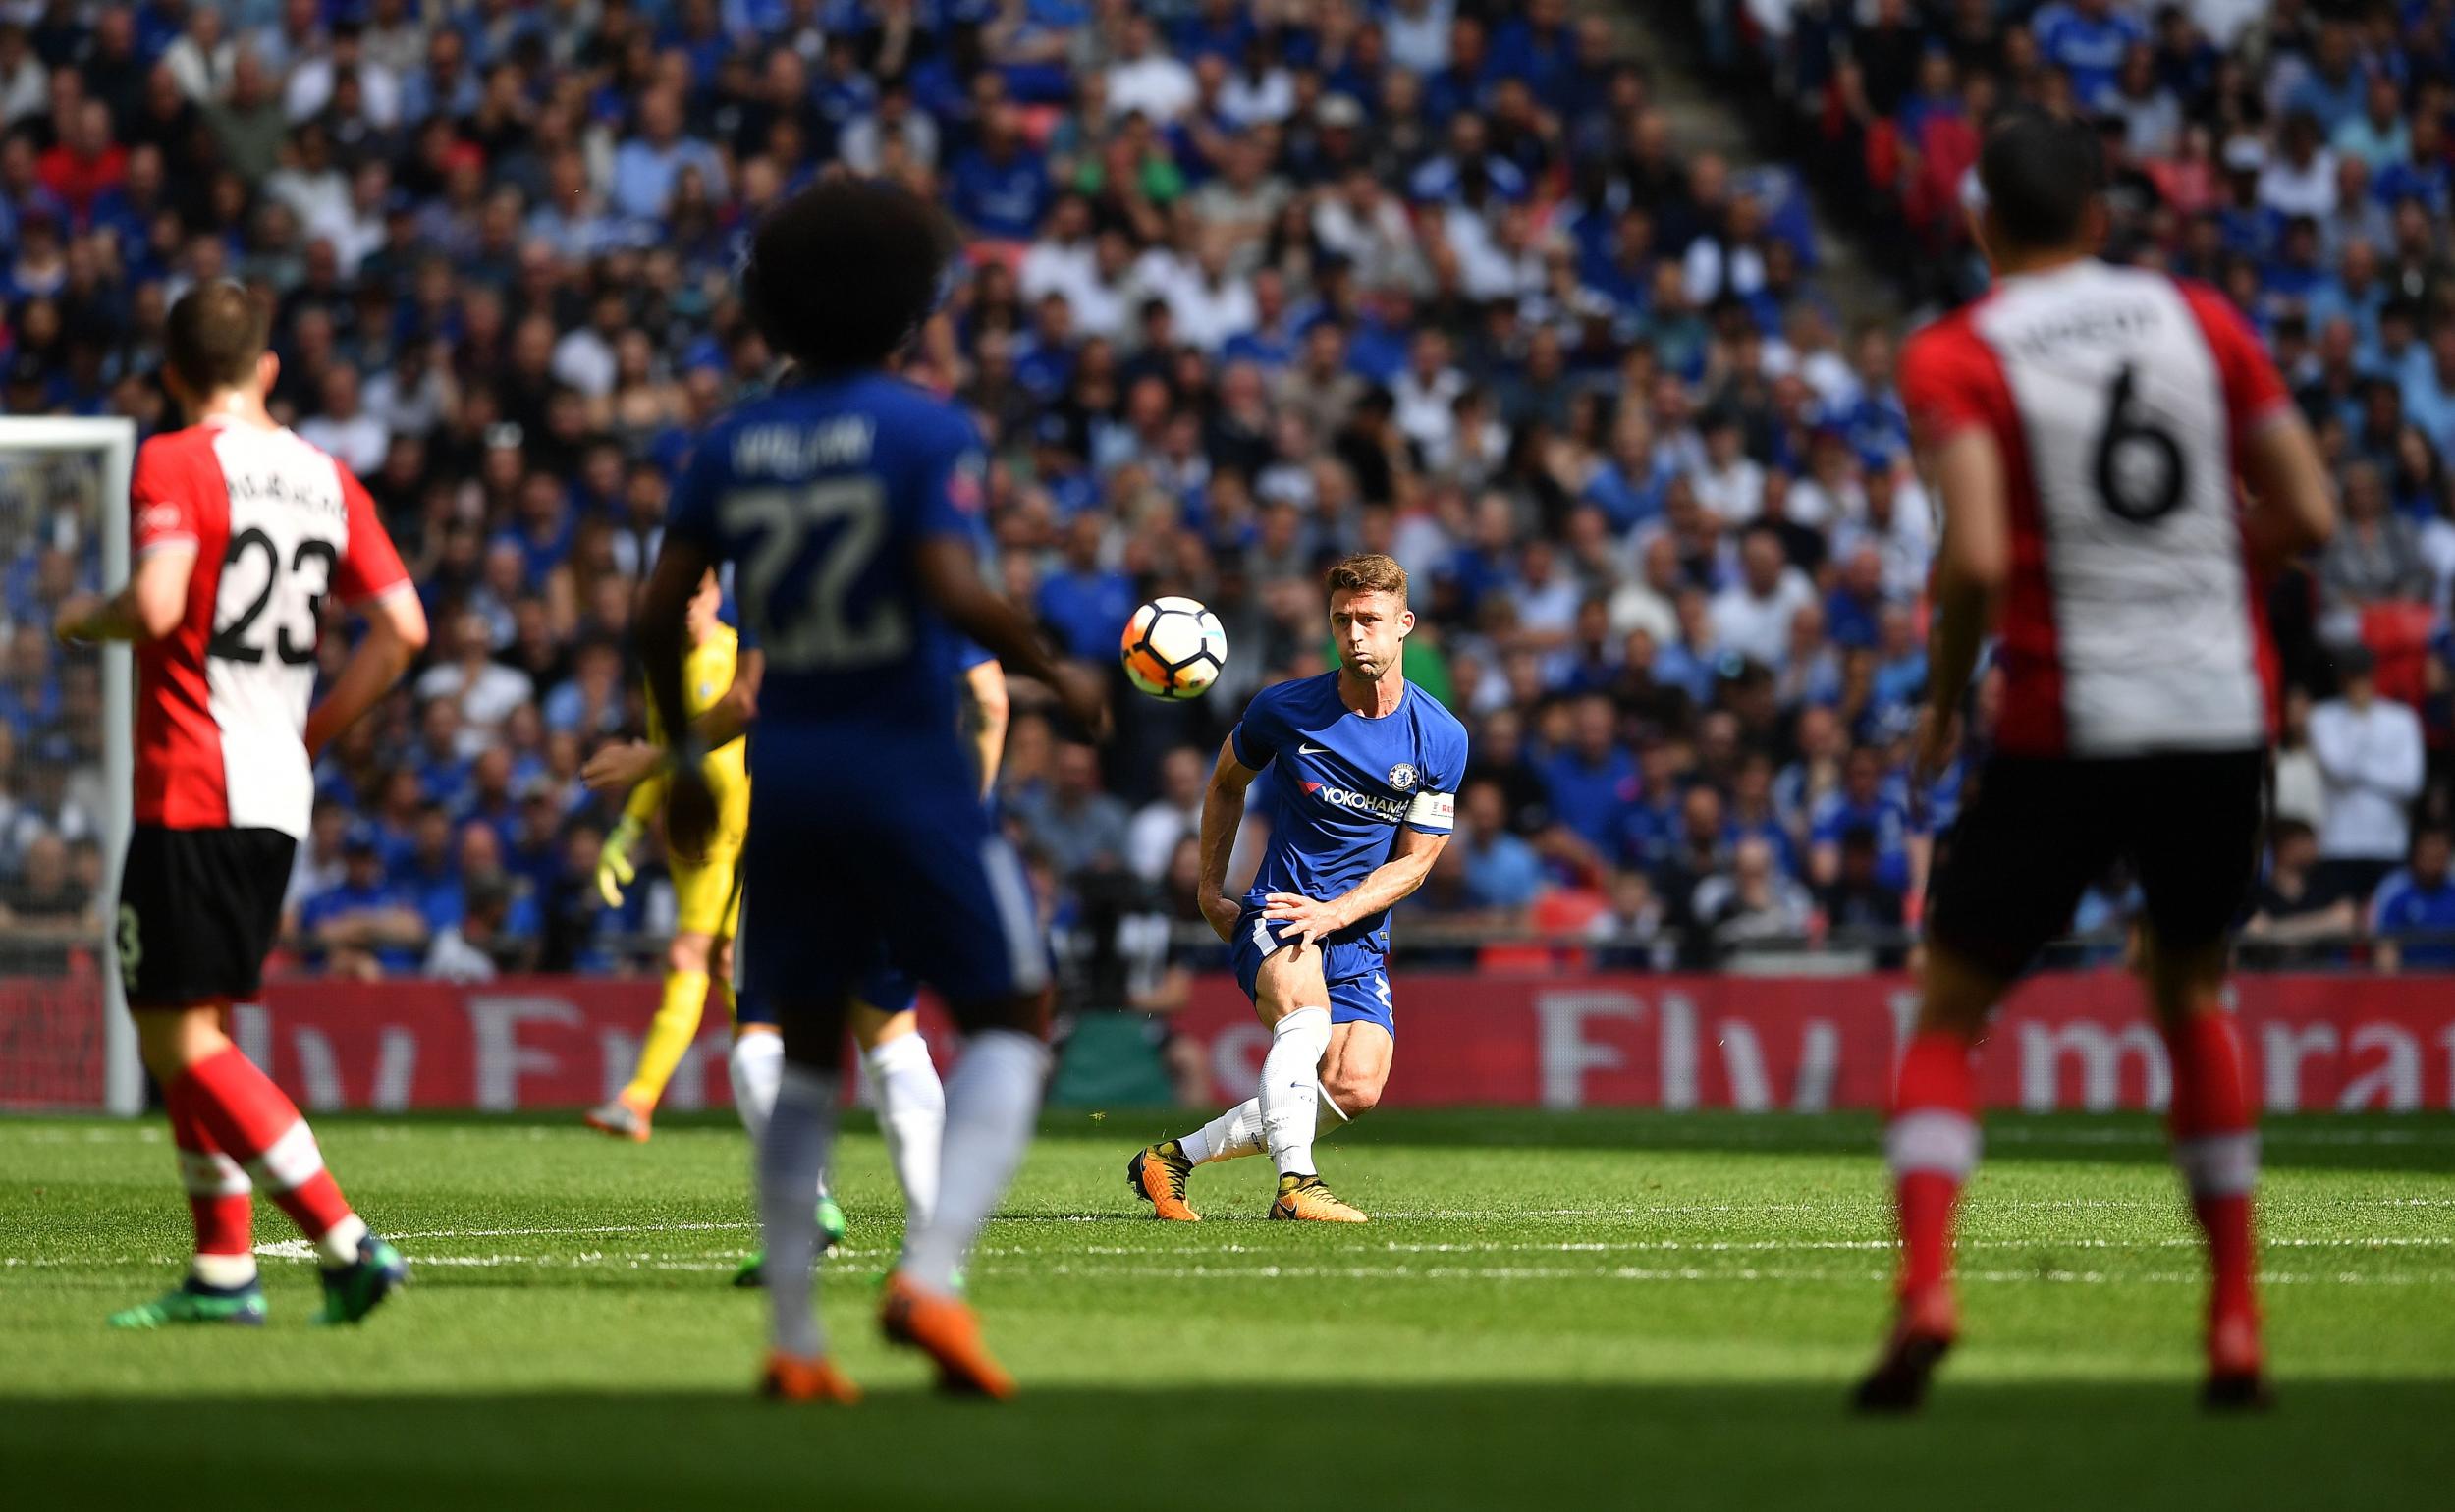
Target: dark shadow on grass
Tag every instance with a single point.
(1238, 1446)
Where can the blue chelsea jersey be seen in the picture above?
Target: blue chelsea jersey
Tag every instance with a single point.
(819, 493)
(1345, 783)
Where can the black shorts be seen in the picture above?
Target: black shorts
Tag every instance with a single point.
(198, 912)
(2040, 830)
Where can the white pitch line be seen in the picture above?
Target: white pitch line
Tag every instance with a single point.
(999, 1264)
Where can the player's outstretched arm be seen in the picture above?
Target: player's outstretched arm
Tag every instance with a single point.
(1410, 862)
(626, 764)
(1223, 809)
(950, 577)
(147, 608)
(396, 632)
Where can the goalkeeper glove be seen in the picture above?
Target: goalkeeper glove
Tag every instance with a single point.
(615, 869)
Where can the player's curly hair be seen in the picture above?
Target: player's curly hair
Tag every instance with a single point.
(843, 273)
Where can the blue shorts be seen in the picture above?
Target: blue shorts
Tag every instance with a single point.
(1356, 970)
(747, 1009)
(885, 988)
(937, 896)
(888, 990)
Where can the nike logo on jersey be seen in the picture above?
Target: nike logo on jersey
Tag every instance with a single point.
(1301, 749)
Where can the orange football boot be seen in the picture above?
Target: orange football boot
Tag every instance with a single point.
(792, 1378)
(1157, 1177)
(623, 1117)
(1306, 1199)
(946, 1329)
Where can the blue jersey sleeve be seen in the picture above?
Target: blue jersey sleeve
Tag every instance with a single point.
(955, 482)
(1259, 735)
(1434, 808)
(691, 513)
(971, 654)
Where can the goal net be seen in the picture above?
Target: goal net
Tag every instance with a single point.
(65, 758)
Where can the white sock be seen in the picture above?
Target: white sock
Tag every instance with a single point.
(912, 1115)
(791, 1160)
(1235, 1132)
(757, 1063)
(1290, 1090)
(224, 1272)
(1331, 1102)
(991, 1101)
(339, 1245)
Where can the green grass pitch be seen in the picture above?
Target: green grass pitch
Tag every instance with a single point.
(1591, 1311)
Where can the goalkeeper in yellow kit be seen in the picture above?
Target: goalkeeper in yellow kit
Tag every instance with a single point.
(707, 894)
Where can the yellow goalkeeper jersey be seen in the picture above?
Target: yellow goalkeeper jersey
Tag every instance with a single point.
(706, 672)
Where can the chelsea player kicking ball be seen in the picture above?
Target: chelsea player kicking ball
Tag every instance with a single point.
(1174, 648)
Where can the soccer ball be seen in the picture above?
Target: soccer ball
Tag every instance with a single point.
(1174, 648)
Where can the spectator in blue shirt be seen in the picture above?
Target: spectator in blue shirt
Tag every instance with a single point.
(646, 166)
(2414, 916)
(1001, 188)
(1085, 603)
(1862, 804)
(1854, 609)
(1593, 780)
(2087, 39)
(365, 924)
(431, 881)
(443, 766)
(1467, 169)
(1503, 871)
(1539, 48)
(2337, 85)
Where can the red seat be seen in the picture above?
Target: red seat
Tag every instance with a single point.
(2398, 639)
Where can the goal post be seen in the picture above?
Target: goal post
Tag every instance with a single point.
(61, 1028)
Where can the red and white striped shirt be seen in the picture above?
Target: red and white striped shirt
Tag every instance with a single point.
(2133, 621)
(221, 700)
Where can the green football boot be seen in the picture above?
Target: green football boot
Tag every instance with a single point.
(831, 1231)
(194, 1302)
(353, 1290)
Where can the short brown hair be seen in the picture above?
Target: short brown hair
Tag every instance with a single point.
(1369, 572)
(214, 335)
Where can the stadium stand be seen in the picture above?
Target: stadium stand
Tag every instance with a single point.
(1247, 286)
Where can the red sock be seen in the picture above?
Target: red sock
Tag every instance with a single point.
(217, 1188)
(256, 1125)
(1932, 1144)
(2217, 1146)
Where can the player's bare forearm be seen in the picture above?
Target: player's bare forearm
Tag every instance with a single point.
(1389, 883)
(1974, 561)
(984, 719)
(664, 640)
(729, 718)
(148, 607)
(1964, 614)
(2292, 508)
(950, 576)
(396, 632)
(1222, 810)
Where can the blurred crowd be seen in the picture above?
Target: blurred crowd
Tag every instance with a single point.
(1246, 284)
